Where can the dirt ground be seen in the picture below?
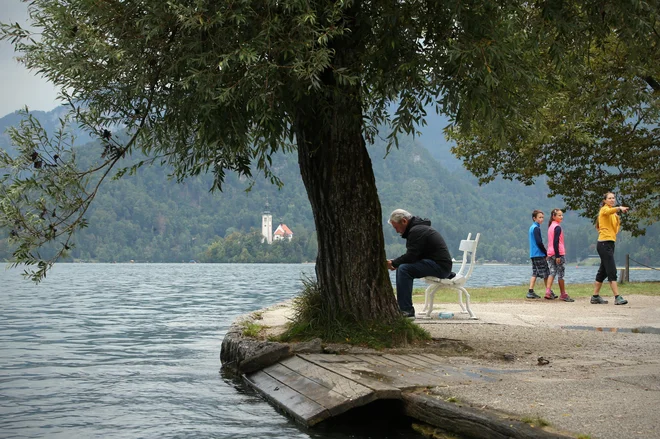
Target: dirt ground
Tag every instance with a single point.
(586, 369)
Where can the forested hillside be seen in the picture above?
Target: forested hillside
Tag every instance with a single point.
(148, 217)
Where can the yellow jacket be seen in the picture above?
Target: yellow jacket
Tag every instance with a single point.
(608, 223)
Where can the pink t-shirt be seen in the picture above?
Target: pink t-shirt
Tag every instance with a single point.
(551, 240)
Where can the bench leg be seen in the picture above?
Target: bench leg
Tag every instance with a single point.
(467, 303)
(429, 295)
(460, 300)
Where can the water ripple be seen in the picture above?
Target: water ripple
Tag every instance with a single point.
(132, 350)
(116, 350)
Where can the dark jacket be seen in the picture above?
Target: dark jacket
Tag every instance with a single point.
(424, 242)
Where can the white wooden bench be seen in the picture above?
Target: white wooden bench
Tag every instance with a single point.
(469, 248)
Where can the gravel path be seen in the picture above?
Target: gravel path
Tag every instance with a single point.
(602, 383)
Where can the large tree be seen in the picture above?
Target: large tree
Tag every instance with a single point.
(211, 85)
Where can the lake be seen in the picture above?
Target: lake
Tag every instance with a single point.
(132, 350)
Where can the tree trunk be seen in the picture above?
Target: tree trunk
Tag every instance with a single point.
(337, 172)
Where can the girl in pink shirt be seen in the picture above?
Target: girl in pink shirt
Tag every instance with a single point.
(556, 255)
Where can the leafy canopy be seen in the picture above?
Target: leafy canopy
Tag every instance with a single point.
(595, 128)
(214, 86)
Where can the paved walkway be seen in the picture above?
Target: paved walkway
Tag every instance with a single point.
(586, 369)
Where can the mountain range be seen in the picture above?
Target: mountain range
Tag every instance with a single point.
(149, 217)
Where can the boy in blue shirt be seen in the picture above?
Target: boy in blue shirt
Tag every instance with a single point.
(538, 254)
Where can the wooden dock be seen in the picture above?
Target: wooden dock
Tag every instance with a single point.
(314, 387)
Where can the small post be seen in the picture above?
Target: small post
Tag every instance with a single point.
(622, 276)
(627, 267)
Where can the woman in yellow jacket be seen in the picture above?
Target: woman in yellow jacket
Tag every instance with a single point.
(608, 226)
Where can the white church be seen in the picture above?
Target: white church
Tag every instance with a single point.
(282, 232)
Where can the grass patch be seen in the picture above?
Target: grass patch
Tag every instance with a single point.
(535, 421)
(252, 329)
(583, 436)
(495, 294)
(312, 319)
(452, 399)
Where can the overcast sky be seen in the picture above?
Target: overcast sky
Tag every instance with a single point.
(20, 87)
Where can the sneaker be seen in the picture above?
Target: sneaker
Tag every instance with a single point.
(597, 300)
(619, 300)
(552, 295)
(566, 298)
(532, 295)
(408, 314)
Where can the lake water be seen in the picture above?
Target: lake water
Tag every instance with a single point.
(132, 350)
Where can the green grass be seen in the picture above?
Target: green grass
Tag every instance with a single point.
(252, 329)
(535, 421)
(313, 318)
(496, 294)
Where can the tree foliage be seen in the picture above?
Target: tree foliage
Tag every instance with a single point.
(220, 85)
(592, 126)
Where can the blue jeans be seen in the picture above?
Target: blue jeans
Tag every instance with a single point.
(407, 273)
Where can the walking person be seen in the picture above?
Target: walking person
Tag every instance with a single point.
(556, 256)
(607, 224)
(426, 255)
(538, 254)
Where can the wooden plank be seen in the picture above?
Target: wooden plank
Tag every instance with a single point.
(420, 374)
(408, 360)
(362, 373)
(330, 358)
(438, 364)
(382, 362)
(401, 376)
(403, 363)
(303, 409)
(301, 384)
(443, 373)
(333, 401)
(379, 360)
(433, 366)
(469, 373)
(325, 377)
(433, 357)
(429, 363)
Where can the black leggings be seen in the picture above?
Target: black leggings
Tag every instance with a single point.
(607, 265)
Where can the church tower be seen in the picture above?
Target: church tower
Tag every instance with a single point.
(267, 225)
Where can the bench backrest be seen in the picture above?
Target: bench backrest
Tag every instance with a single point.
(469, 248)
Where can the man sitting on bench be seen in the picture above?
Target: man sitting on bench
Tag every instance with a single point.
(426, 255)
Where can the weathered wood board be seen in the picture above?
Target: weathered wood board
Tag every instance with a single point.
(314, 387)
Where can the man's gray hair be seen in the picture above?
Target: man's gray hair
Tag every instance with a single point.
(398, 215)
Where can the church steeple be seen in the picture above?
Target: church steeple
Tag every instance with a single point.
(267, 224)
